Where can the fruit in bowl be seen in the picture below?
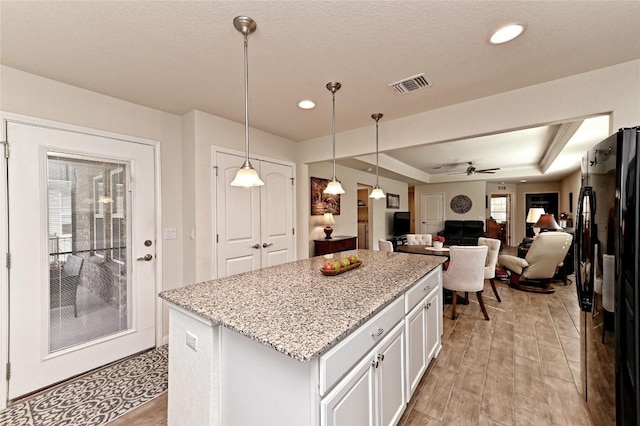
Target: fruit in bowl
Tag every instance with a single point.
(345, 262)
(353, 259)
(328, 266)
(337, 265)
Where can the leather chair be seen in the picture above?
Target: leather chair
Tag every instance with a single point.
(534, 273)
(63, 284)
(384, 245)
(491, 262)
(466, 273)
(419, 239)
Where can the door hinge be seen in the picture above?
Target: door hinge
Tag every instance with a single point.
(293, 231)
(8, 370)
(6, 149)
(292, 181)
(217, 238)
(216, 169)
(8, 260)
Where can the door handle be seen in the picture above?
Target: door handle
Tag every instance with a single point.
(265, 245)
(147, 257)
(256, 246)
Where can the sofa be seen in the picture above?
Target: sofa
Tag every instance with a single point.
(462, 232)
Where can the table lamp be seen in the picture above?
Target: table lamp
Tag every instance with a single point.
(328, 220)
(532, 217)
(547, 222)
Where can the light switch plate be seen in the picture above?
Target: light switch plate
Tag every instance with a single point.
(170, 234)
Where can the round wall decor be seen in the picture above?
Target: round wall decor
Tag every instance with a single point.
(461, 204)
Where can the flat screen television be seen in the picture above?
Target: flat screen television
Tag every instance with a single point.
(401, 223)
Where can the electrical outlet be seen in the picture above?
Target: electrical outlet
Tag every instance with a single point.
(192, 341)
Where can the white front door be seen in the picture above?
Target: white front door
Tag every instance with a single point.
(254, 226)
(432, 213)
(81, 211)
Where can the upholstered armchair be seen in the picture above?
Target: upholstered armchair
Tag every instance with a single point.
(419, 239)
(534, 273)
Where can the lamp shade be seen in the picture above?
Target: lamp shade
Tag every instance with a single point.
(534, 214)
(334, 187)
(377, 193)
(548, 222)
(327, 219)
(247, 177)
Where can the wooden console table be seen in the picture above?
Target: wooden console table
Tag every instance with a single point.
(334, 245)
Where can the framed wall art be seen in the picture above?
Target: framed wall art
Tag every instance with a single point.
(323, 203)
(393, 201)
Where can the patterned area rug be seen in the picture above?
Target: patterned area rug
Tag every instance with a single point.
(96, 398)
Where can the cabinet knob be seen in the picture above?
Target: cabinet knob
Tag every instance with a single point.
(378, 332)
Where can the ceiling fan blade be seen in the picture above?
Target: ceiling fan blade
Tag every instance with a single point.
(488, 170)
(457, 173)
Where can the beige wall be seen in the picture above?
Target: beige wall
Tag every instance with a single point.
(475, 190)
(504, 188)
(520, 213)
(210, 131)
(570, 185)
(381, 222)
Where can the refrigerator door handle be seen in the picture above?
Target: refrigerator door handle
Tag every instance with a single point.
(584, 244)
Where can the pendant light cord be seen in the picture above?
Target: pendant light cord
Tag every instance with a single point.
(246, 100)
(377, 151)
(333, 131)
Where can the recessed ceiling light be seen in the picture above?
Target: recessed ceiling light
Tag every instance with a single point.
(306, 104)
(506, 33)
(523, 180)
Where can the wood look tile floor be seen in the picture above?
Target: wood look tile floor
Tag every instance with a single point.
(519, 368)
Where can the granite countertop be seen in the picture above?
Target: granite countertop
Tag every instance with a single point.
(294, 308)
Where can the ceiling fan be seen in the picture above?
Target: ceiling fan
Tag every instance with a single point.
(471, 170)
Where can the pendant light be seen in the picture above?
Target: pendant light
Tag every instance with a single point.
(334, 187)
(247, 175)
(377, 193)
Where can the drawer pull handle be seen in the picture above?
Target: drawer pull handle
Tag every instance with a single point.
(378, 333)
(381, 357)
(427, 288)
(374, 364)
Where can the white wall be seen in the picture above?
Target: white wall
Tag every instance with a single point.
(31, 95)
(347, 222)
(571, 185)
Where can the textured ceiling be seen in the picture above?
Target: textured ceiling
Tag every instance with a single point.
(177, 56)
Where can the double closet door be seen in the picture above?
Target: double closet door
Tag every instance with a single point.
(254, 226)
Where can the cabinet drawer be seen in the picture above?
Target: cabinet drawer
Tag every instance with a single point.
(421, 289)
(340, 359)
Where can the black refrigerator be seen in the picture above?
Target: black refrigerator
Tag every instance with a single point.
(606, 270)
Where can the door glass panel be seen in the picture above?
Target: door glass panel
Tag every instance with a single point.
(89, 285)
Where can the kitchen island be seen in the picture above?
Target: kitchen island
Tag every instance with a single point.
(288, 345)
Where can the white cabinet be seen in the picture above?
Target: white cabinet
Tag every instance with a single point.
(416, 331)
(373, 392)
(433, 325)
(423, 327)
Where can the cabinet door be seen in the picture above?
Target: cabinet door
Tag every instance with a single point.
(351, 402)
(416, 334)
(390, 386)
(434, 324)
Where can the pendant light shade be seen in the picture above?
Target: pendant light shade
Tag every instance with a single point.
(334, 187)
(247, 175)
(377, 192)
